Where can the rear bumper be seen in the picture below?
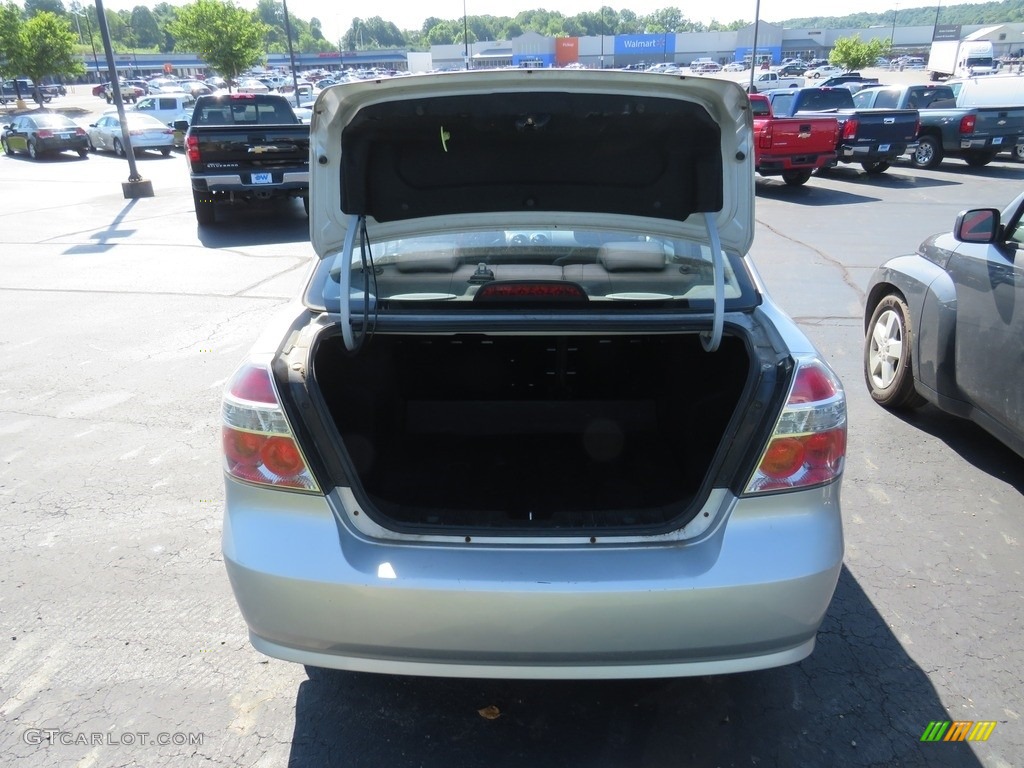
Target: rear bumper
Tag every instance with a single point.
(749, 594)
(859, 153)
(281, 181)
(771, 165)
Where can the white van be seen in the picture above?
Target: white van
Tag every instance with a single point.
(989, 91)
(166, 107)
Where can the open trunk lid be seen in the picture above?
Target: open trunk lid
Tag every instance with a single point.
(636, 152)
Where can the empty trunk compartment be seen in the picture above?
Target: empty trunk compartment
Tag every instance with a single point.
(544, 433)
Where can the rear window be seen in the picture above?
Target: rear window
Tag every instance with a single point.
(616, 269)
(53, 121)
(243, 111)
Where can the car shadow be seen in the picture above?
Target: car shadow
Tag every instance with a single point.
(807, 194)
(858, 700)
(258, 223)
(891, 178)
(997, 169)
(970, 441)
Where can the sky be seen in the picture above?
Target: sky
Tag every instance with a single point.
(336, 17)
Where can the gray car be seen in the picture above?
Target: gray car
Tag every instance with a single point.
(945, 325)
(534, 414)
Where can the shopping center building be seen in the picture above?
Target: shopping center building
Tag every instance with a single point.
(772, 42)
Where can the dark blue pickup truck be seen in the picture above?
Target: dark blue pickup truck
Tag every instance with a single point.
(975, 134)
(871, 137)
(245, 147)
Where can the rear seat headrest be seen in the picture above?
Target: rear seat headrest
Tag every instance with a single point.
(427, 261)
(631, 257)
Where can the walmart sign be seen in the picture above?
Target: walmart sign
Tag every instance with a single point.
(645, 45)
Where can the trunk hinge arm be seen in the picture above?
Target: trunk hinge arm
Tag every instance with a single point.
(711, 339)
(343, 263)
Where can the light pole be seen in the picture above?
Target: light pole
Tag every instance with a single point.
(892, 35)
(291, 53)
(753, 57)
(136, 186)
(465, 33)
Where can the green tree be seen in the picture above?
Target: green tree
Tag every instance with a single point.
(144, 27)
(225, 36)
(33, 7)
(851, 53)
(10, 39)
(47, 47)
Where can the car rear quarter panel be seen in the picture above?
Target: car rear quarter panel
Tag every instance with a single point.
(931, 297)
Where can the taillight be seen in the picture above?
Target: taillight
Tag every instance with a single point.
(850, 129)
(80, 132)
(44, 133)
(764, 141)
(192, 148)
(259, 445)
(808, 446)
(967, 123)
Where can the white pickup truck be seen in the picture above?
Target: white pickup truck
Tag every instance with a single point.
(765, 81)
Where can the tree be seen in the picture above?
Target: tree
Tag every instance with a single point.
(851, 53)
(34, 7)
(144, 27)
(48, 48)
(10, 40)
(226, 37)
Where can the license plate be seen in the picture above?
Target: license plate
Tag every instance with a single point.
(883, 147)
(262, 178)
(997, 140)
(65, 135)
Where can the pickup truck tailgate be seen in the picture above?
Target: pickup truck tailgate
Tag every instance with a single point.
(884, 126)
(260, 147)
(1003, 124)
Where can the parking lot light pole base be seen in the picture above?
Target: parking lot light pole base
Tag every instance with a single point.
(137, 188)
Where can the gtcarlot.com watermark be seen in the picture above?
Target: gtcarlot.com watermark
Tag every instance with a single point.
(51, 736)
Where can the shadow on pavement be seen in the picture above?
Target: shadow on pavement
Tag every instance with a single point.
(970, 441)
(257, 223)
(808, 194)
(858, 700)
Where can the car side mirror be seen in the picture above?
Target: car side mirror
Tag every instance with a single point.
(977, 226)
(180, 125)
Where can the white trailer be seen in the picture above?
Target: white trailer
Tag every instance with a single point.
(961, 58)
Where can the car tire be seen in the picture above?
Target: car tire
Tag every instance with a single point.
(887, 364)
(83, 153)
(33, 152)
(1018, 153)
(928, 153)
(92, 147)
(979, 159)
(205, 214)
(796, 178)
(118, 149)
(875, 167)
(166, 151)
(6, 147)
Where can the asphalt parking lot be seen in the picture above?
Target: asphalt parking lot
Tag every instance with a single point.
(120, 321)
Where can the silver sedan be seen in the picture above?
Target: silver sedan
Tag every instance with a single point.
(145, 130)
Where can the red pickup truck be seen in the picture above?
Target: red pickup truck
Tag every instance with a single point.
(791, 147)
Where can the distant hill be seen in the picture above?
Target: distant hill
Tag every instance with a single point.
(981, 13)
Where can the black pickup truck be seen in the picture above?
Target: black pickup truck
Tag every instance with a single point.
(872, 137)
(975, 134)
(245, 147)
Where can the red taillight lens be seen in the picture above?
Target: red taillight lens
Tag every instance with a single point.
(44, 133)
(80, 131)
(850, 129)
(809, 444)
(764, 141)
(967, 123)
(258, 442)
(192, 148)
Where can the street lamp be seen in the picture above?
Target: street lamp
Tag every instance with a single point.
(136, 186)
(465, 33)
(753, 57)
(892, 35)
